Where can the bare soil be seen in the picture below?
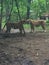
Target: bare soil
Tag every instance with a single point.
(31, 49)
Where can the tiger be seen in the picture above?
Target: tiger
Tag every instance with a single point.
(36, 23)
(17, 25)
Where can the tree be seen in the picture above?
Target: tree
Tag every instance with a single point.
(8, 13)
(28, 8)
(47, 5)
(1, 13)
(17, 5)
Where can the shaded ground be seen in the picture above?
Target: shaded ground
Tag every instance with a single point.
(33, 49)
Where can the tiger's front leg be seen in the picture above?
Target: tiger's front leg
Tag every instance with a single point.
(22, 31)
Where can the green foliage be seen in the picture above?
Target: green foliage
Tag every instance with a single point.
(37, 8)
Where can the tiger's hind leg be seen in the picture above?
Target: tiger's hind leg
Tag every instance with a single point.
(43, 27)
(7, 33)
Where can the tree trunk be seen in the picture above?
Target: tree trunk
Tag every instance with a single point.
(8, 14)
(28, 9)
(47, 5)
(1, 13)
(18, 9)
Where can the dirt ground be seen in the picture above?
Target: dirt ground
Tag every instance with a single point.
(32, 49)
